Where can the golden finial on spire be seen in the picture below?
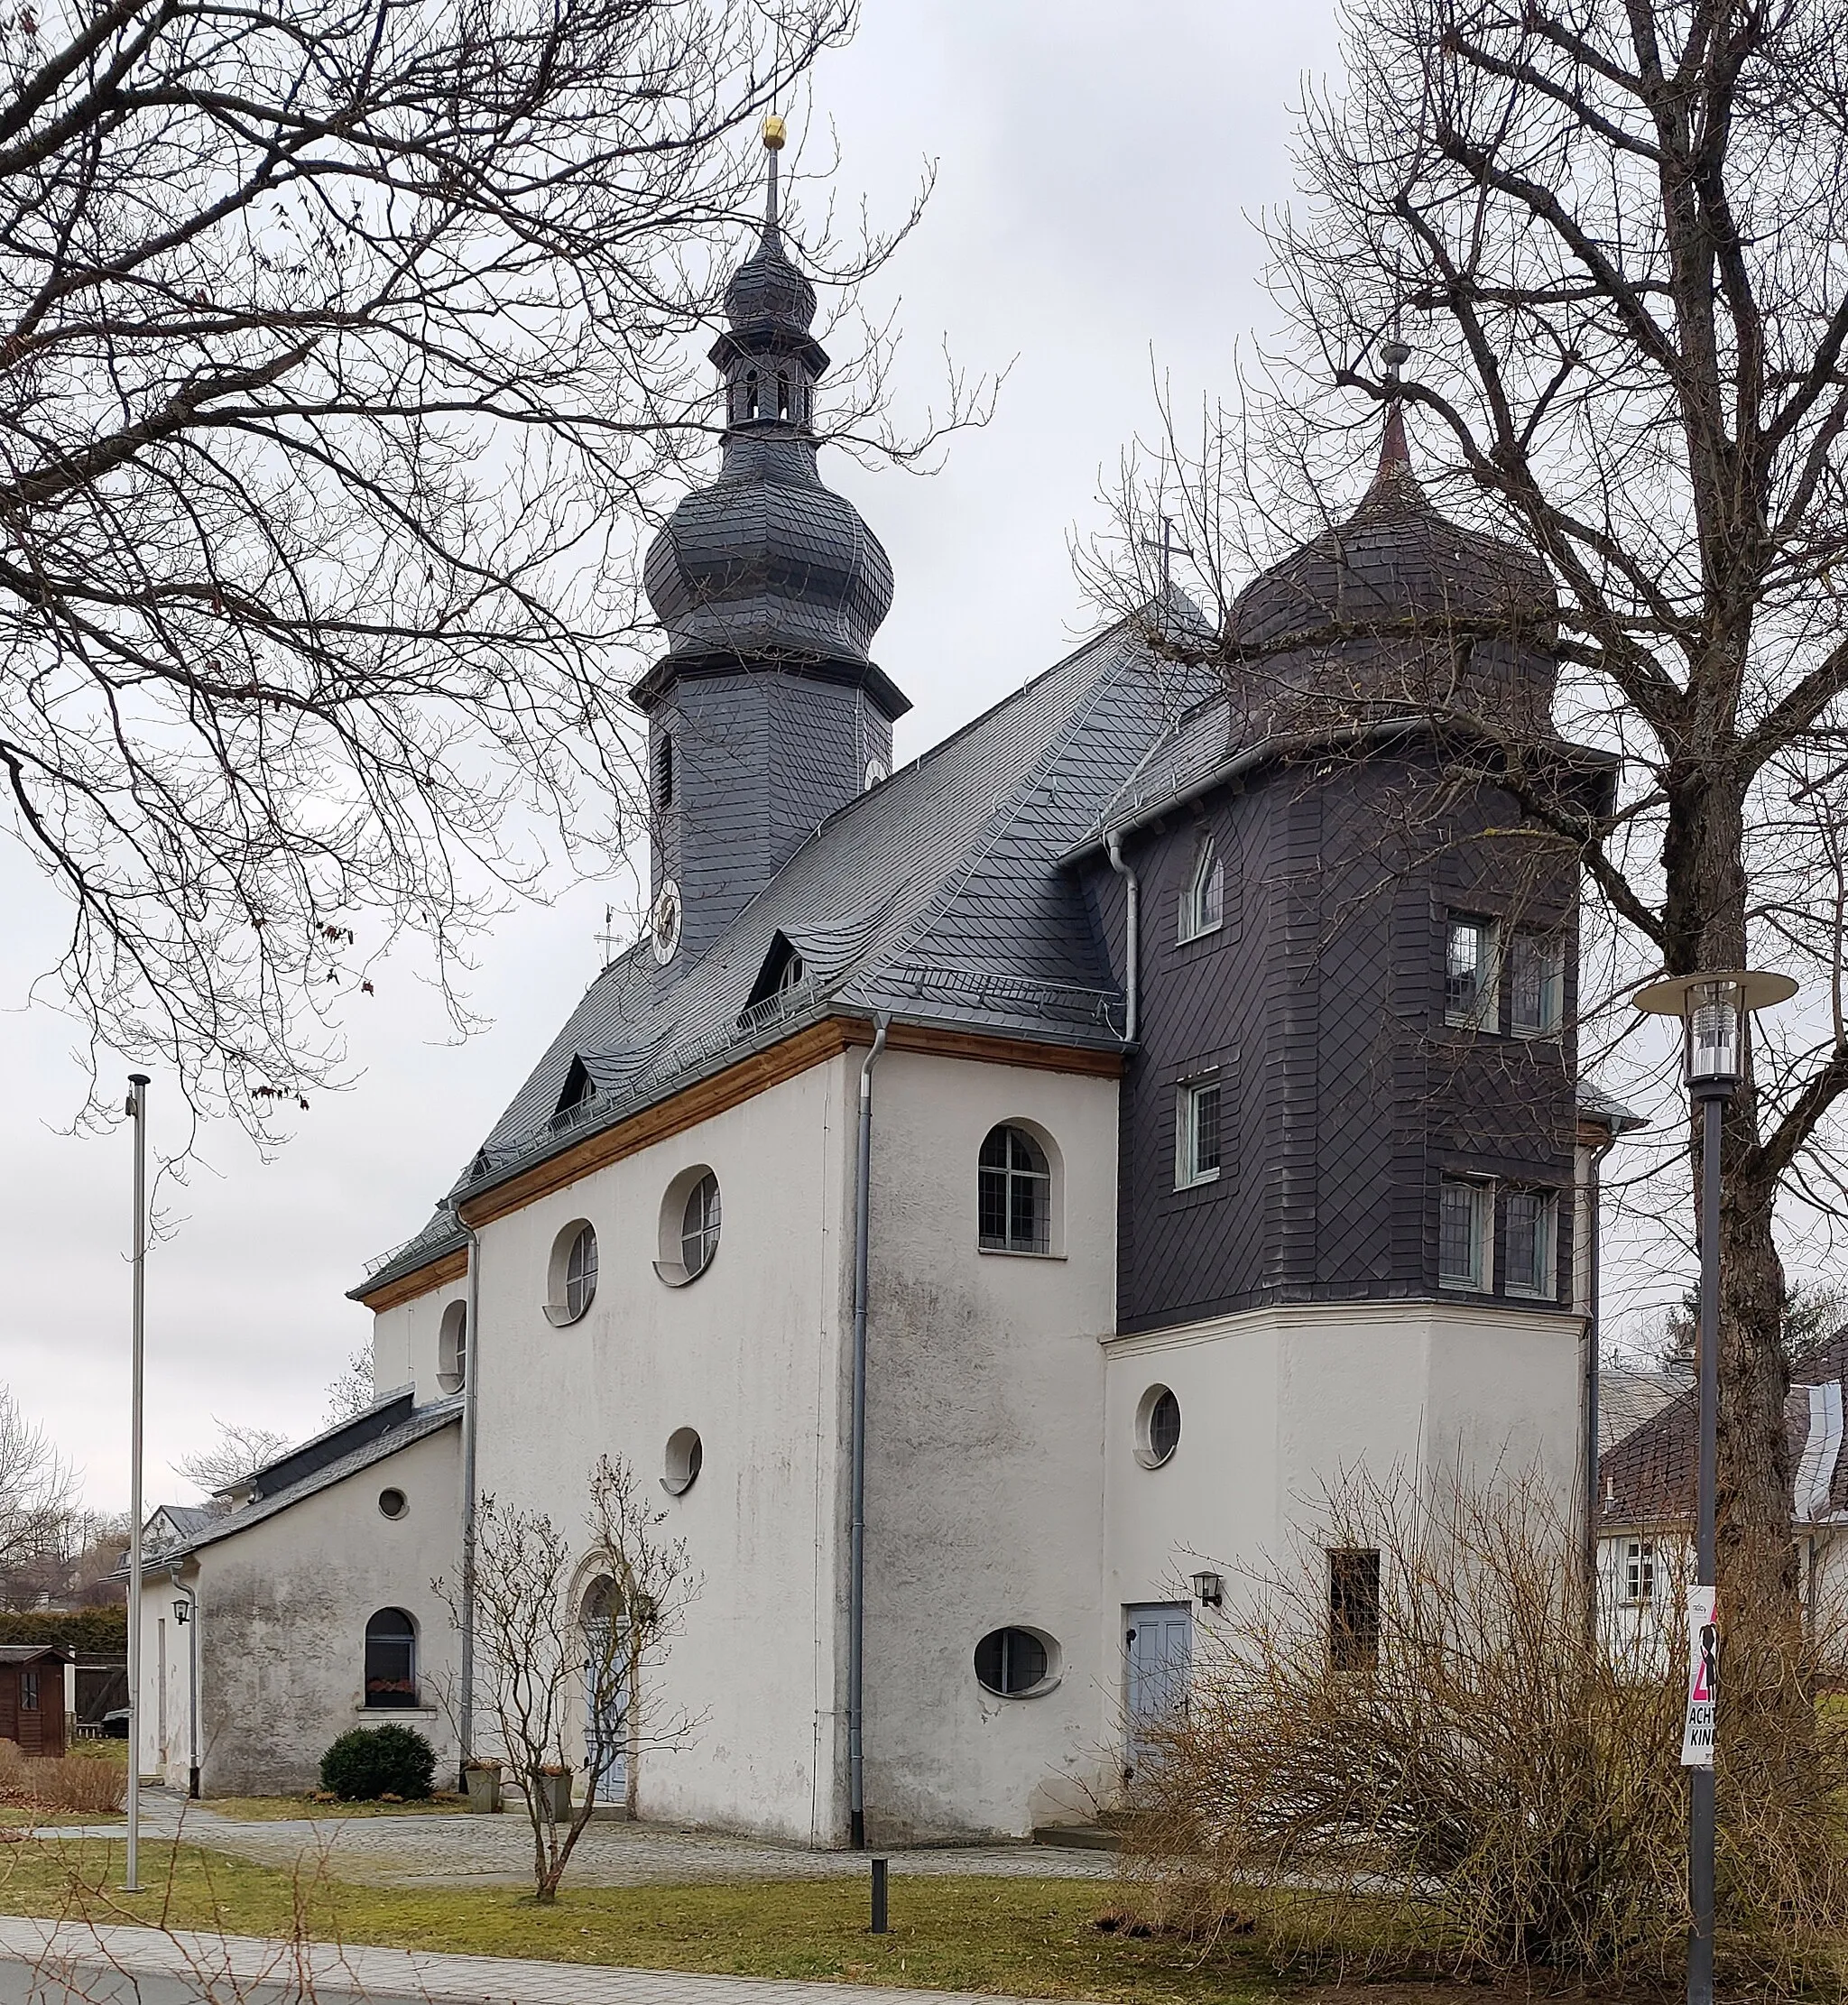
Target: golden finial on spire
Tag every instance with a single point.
(774, 132)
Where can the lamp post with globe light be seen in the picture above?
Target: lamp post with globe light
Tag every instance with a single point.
(1714, 1009)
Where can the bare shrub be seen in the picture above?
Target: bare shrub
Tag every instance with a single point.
(1471, 1779)
(567, 1634)
(60, 1782)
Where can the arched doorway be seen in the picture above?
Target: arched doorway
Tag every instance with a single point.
(605, 1691)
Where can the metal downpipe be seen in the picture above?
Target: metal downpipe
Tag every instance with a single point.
(1132, 939)
(856, 1550)
(471, 1374)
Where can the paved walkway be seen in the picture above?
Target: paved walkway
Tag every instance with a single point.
(459, 1850)
(41, 1962)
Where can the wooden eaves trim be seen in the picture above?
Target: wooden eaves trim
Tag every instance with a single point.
(720, 1092)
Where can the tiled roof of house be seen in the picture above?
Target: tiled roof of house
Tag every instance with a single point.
(940, 895)
(1648, 1475)
(1627, 1399)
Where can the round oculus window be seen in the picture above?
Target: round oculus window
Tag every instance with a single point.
(1013, 1663)
(684, 1459)
(699, 1225)
(1158, 1427)
(393, 1503)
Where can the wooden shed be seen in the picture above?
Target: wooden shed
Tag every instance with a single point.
(32, 1696)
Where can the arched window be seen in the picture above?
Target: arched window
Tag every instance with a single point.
(571, 1285)
(580, 1273)
(1203, 903)
(699, 1225)
(452, 1348)
(390, 1659)
(1014, 1193)
(782, 392)
(751, 395)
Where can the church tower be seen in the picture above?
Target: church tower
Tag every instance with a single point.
(767, 713)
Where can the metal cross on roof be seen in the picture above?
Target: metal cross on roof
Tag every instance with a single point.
(1170, 549)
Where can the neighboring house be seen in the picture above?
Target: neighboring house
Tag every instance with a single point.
(1226, 1136)
(1646, 1479)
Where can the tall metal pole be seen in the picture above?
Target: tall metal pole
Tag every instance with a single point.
(137, 1109)
(856, 1537)
(1711, 1099)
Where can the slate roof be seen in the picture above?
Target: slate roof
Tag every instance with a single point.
(1648, 1476)
(419, 1423)
(1627, 1399)
(939, 895)
(1394, 559)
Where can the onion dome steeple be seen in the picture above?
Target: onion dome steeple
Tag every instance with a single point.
(767, 713)
(1397, 607)
(767, 565)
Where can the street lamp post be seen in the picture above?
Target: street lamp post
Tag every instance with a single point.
(1714, 1009)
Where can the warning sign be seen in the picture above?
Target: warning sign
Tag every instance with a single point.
(1703, 1677)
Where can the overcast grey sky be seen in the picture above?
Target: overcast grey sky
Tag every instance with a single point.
(1097, 164)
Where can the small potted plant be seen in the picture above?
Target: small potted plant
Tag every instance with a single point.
(553, 1782)
(483, 1779)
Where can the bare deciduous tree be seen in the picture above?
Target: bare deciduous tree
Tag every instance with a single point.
(354, 1390)
(344, 348)
(237, 1453)
(569, 1636)
(36, 1490)
(1613, 232)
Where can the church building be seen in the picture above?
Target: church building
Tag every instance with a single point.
(1213, 1050)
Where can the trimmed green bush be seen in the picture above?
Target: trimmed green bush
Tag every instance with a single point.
(367, 1763)
(90, 1632)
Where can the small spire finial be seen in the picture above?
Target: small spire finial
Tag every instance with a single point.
(774, 132)
(1394, 354)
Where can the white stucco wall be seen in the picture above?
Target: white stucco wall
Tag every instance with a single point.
(1278, 1403)
(283, 1612)
(404, 1342)
(749, 1353)
(984, 1451)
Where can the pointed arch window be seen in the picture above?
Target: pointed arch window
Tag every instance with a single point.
(1203, 901)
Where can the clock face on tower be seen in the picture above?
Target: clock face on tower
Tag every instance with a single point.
(664, 922)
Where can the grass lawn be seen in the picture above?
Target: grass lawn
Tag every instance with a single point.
(1036, 1937)
(270, 1809)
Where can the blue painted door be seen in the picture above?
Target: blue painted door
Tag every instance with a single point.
(606, 1705)
(1158, 1667)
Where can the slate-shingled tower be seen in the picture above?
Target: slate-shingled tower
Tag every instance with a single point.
(766, 714)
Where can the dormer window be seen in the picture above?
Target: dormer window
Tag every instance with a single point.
(1203, 901)
(782, 974)
(578, 1087)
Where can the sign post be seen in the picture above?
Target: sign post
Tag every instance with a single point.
(1703, 1676)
